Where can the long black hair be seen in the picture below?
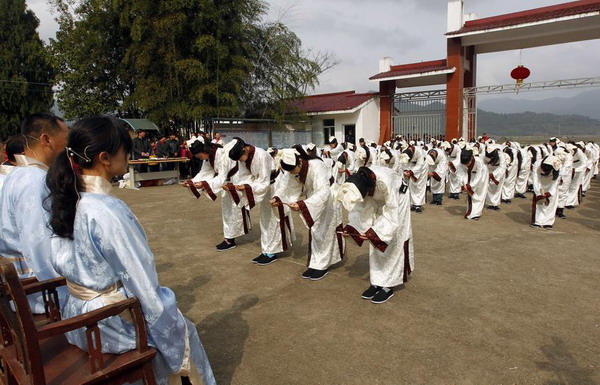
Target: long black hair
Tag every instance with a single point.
(88, 138)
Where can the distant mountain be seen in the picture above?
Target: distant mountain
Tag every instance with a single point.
(586, 104)
(534, 124)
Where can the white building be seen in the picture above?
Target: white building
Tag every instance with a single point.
(346, 115)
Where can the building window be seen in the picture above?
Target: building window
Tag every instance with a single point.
(328, 129)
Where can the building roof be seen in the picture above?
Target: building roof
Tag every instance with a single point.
(425, 68)
(140, 124)
(529, 16)
(346, 101)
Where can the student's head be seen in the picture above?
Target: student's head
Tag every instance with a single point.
(15, 145)
(97, 145)
(466, 158)
(356, 188)
(333, 142)
(172, 137)
(44, 136)
(141, 134)
(361, 141)
(217, 135)
(289, 160)
(237, 150)
(201, 150)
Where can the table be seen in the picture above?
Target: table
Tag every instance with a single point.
(135, 176)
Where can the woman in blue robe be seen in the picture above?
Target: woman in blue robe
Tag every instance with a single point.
(101, 249)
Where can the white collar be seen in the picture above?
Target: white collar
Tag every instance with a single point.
(95, 184)
(25, 161)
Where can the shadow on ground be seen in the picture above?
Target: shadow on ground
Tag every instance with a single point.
(224, 334)
(564, 366)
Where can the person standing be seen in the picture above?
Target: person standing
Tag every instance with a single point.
(217, 139)
(141, 150)
(455, 177)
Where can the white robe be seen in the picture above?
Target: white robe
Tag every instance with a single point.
(578, 174)
(477, 183)
(543, 212)
(276, 225)
(456, 177)
(564, 184)
(512, 169)
(255, 175)
(498, 173)
(524, 171)
(417, 167)
(440, 173)
(319, 211)
(384, 218)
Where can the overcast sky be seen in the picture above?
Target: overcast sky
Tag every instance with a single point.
(360, 32)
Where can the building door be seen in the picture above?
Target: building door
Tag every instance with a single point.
(350, 133)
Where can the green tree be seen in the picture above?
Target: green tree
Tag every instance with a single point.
(25, 69)
(176, 62)
(88, 52)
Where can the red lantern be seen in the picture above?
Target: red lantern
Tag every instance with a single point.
(519, 74)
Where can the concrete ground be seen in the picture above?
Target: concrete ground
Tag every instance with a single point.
(489, 302)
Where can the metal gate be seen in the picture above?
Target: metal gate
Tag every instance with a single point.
(420, 115)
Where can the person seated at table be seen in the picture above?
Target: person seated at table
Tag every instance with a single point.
(101, 249)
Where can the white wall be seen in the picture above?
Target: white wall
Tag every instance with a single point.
(368, 121)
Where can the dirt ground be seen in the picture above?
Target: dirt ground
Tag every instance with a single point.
(489, 302)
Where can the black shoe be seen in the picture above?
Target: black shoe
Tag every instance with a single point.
(370, 292)
(418, 209)
(560, 213)
(570, 207)
(547, 227)
(433, 203)
(308, 273)
(263, 260)
(224, 246)
(495, 208)
(439, 203)
(490, 207)
(412, 208)
(382, 296)
(474, 218)
(520, 196)
(583, 194)
(318, 274)
(507, 201)
(535, 226)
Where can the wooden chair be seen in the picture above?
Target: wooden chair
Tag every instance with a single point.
(41, 355)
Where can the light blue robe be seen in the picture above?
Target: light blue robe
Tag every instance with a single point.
(110, 246)
(24, 232)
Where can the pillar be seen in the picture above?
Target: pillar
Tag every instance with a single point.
(386, 102)
(454, 88)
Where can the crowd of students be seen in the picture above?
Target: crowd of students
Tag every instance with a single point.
(58, 218)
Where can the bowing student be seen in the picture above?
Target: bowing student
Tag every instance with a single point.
(546, 174)
(378, 205)
(476, 183)
(306, 189)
